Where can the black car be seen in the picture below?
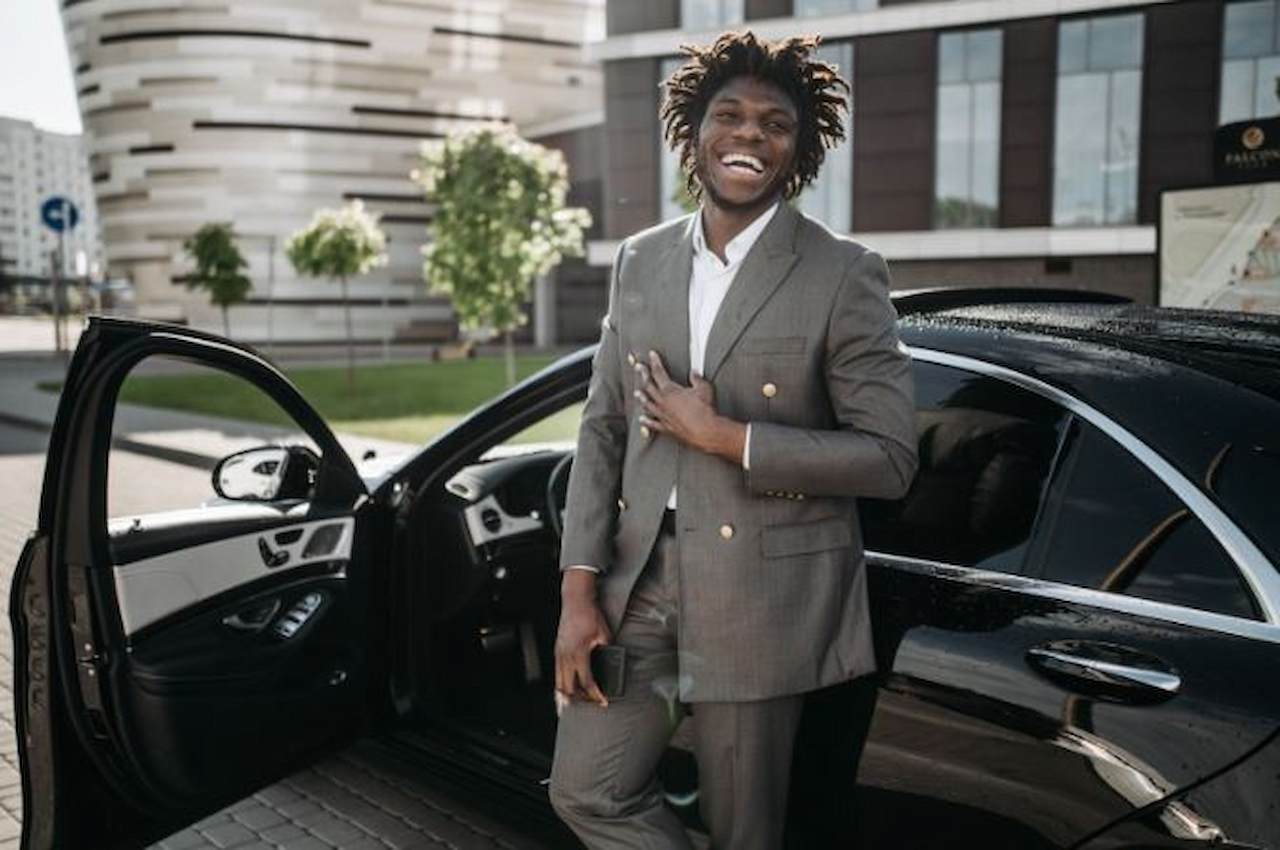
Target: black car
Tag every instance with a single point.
(1076, 607)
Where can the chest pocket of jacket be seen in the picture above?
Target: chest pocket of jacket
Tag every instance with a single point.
(776, 366)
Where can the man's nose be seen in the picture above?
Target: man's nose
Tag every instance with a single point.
(749, 130)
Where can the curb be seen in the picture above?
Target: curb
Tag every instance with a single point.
(126, 443)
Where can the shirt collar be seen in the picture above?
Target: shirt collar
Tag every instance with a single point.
(739, 245)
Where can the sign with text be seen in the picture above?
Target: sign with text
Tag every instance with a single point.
(1247, 151)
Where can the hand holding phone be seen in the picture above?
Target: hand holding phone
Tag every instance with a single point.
(609, 669)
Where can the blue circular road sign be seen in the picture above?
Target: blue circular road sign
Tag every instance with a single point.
(59, 214)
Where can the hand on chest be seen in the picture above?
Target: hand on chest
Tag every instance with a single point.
(763, 356)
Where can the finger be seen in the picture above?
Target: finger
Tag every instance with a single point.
(649, 398)
(654, 424)
(660, 376)
(562, 675)
(642, 374)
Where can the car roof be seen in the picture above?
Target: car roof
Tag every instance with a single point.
(1240, 348)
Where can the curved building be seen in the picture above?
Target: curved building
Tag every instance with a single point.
(259, 113)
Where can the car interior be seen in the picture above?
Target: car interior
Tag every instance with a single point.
(480, 672)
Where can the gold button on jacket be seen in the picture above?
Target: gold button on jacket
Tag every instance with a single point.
(769, 390)
(726, 531)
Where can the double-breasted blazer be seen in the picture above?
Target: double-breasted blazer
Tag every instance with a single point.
(772, 587)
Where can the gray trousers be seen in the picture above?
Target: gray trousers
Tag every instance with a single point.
(603, 782)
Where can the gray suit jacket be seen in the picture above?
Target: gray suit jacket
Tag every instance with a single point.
(773, 596)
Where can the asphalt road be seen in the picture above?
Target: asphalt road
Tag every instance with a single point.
(361, 799)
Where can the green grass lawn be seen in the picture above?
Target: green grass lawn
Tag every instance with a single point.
(409, 402)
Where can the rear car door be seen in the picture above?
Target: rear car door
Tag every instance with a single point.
(171, 662)
(1073, 636)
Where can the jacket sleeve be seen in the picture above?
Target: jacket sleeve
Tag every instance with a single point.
(872, 450)
(591, 510)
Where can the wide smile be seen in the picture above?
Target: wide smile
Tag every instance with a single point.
(742, 166)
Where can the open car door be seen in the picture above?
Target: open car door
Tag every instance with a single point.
(171, 664)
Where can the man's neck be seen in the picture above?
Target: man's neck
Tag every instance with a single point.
(720, 225)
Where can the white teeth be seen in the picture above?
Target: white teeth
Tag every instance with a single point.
(749, 161)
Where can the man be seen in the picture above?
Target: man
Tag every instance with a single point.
(749, 385)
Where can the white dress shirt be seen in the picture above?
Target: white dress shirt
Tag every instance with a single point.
(709, 283)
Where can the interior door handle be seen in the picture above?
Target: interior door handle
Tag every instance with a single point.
(1080, 661)
(254, 618)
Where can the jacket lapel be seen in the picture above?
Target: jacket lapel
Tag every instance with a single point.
(764, 269)
(672, 334)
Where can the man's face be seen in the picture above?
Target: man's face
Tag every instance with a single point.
(746, 144)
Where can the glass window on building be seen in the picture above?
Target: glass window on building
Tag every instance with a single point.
(673, 200)
(1250, 61)
(818, 8)
(967, 153)
(1095, 156)
(710, 14)
(830, 197)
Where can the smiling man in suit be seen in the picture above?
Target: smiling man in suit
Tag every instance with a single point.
(749, 386)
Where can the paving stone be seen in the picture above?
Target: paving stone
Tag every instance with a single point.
(277, 795)
(284, 832)
(365, 844)
(258, 817)
(335, 831)
(299, 808)
(309, 842)
(229, 835)
(184, 840)
(214, 820)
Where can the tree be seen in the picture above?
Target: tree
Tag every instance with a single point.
(500, 221)
(218, 263)
(339, 244)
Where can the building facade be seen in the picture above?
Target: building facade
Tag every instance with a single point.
(259, 114)
(36, 165)
(993, 142)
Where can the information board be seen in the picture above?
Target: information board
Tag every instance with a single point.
(1220, 247)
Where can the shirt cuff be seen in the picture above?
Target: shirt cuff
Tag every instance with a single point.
(586, 567)
(746, 449)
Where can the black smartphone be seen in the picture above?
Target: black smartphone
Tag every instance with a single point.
(609, 668)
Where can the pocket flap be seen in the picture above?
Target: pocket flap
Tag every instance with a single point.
(777, 541)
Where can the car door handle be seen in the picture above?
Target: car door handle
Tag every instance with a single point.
(253, 618)
(1074, 660)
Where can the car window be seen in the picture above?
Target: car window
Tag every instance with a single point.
(985, 449)
(174, 420)
(555, 430)
(1111, 524)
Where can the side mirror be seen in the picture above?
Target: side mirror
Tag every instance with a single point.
(266, 474)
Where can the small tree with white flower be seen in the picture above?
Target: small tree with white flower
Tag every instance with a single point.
(339, 244)
(500, 221)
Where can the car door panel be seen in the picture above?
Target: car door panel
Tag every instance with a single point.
(150, 589)
(209, 697)
(175, 690)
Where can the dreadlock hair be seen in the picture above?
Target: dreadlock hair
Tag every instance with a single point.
(814, 86)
